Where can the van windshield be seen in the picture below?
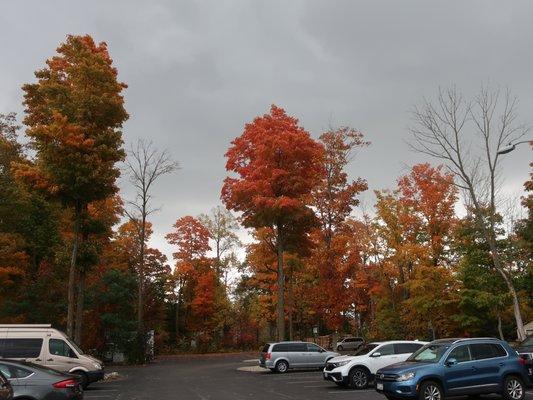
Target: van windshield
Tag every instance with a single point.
(430, 353)
(75, 346)
(365, 349)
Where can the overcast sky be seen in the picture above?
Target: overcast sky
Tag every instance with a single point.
(197, 71)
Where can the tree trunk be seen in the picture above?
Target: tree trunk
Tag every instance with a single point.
(291, 303)
(521, 332)
(78, 332)
(72, 271)
(500, 326)
(280, 308)
(140, 301)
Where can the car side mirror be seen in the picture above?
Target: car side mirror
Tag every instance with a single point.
(376, 354)
(451, 362)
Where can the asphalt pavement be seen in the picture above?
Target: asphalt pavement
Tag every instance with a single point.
(222, 377)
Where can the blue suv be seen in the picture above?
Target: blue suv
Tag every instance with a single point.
(455, 367)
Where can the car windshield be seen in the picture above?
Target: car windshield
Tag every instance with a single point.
(367, 348)
(76, 347)
(430, 353)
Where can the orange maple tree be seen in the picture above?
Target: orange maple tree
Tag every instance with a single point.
(277, 165)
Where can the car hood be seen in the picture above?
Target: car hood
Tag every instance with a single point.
(404, 366)
(341, 359)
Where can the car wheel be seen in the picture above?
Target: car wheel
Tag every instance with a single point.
(340, 348)
(282, 366)
(84, 380)
(430, 391)
(513, 388)
(358, 378)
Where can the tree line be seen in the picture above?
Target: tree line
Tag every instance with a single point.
(76, 254)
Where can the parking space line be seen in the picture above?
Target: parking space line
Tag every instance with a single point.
(302, 381)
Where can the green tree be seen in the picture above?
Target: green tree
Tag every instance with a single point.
(74, 113)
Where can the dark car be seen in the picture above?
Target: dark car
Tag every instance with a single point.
(525, 350)
(456, 367)
(6, 391)
(32, 381)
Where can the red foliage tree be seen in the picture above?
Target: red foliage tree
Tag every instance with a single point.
(277, 165)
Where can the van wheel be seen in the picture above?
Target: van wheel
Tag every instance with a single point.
(84, 380)
(513, 388)
(430, 390)
(339, 348)
(358, 378)
(282, 366)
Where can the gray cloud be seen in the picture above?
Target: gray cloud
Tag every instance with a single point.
(198, 70)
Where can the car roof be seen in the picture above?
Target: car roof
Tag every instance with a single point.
(465, 340)
(398, 341)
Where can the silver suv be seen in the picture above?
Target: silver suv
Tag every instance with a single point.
(350, 343)
(281, 356)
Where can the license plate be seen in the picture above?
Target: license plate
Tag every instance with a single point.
(379, 386)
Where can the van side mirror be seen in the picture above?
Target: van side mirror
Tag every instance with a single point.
(450, 362)
(376, 354)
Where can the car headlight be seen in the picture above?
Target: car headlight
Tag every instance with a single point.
(97, 366)
(340, 364)
(405, 377)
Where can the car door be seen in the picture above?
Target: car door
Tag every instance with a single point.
(298, 354)
(60, 356)
(316, 355)
(8, 381)
(382, 356)
(460, 371)
(488, 362)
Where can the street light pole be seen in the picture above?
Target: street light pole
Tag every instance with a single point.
(511, 146)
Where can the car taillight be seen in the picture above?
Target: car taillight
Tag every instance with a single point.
(268, 356)
(67, 383)
(522, 360)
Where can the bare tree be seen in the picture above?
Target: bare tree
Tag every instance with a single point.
(468, 136)
(146, 164)
(222, 226)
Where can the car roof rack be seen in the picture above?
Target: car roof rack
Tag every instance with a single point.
(475, 338)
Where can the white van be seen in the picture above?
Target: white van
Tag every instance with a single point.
(41, 344)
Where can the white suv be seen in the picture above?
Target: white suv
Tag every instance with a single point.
(358, 370)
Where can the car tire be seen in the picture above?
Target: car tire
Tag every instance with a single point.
(282, 367)
(84, 379)
(340, 348)
(358, 378)
(513, 388)
(430, 390)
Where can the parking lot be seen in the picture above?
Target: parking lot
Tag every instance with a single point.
(221, 377)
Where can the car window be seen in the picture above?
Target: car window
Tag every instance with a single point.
(482, 351)
(4, 369)
(431, 353)
(406, 348)
(386, 350)
(313, 348)
(349, 340)
(365, 349)
(20, 348)
(265, 348)
(460, 353)
(280, 348)
(297, 347)
(58, 347)
(18, 372)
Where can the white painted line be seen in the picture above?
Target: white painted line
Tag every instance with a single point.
(302, 381)
(253, 360)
